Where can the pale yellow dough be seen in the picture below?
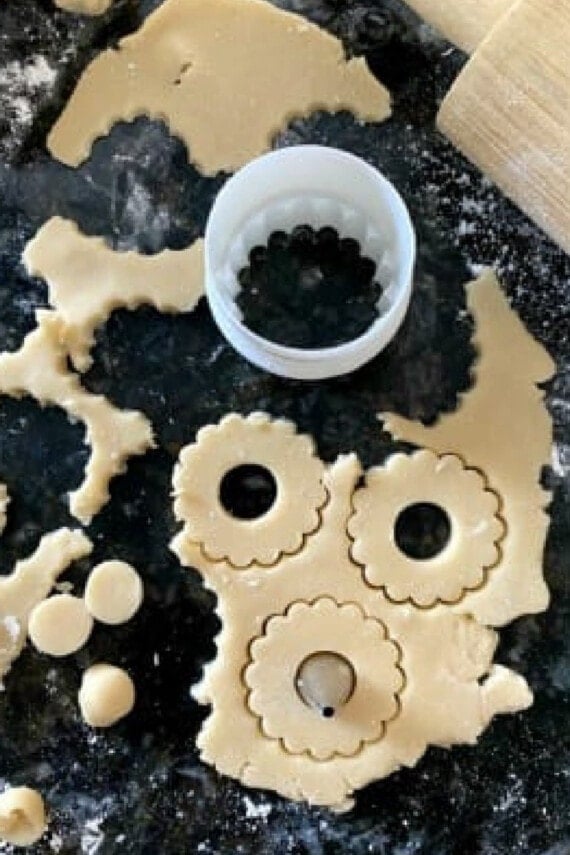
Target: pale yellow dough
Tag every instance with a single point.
(439, 685)
(503, 429)
(4, 502)
(225, 75)
(40, 369)
(106, 696)
(464, 22)
(87, 281)
(60, 625)
(114, 592)
(22, 816)
(85, 7)
(30, 583)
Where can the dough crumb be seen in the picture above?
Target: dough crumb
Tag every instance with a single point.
(22, 816)
(59, 626)
(4, 502)
(85, 7)
(114, 592)
(106, 696)
(214, 71)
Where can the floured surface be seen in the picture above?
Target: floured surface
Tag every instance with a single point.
(225, 75)
(39, 369)
(503, 429)
(87, 280)
(29, 584)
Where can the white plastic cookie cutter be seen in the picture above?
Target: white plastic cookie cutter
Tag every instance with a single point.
(317, 186)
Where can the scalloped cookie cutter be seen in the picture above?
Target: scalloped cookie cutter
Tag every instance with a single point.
(319, 186)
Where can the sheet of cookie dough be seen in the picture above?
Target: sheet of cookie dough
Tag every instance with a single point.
(30, 583)
(40, 369)
(225, 75)
(503, 429)
(87, 280)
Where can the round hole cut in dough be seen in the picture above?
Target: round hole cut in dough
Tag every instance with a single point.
(22, 816)
(476, 528)
(114, 592)
(225, 75)
(272, 444)
(106, 696)
(61, 625)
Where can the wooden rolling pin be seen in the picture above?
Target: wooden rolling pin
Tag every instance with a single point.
(509, 111)
(463, 22)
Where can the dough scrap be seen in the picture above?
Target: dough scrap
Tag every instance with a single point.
(465, 23)
(30, 583)
(87, 280)
(114, 592)
(106, 696)
(4, 502)
(443, 655)
(225, 75)
(22, 816)
(39, 369)
(503, 429)
(84, 7)
(258, 440)
(60, 625)
(476, 528)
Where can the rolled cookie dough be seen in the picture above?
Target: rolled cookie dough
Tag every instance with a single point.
(86, 281)
(85, 7)
(4, 502)
(114, 592)
(22, 816)
(107, 695)
(463, 22)
(40, 369)
(60, 625)
(225, 75)
(30, 583)
(503, 429)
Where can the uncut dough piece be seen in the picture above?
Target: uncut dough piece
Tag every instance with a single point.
(4, 502)
(503, 429)
(463, 22)
(114, 592)
(508, 112)
(443, 655)
(225, 75)
(60, 625)
(106, 696)
(87, 280)
(22, 816)
(85, 7)
(30, 583)
(40, 369)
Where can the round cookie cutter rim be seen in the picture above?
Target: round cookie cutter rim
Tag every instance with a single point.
(334, 188)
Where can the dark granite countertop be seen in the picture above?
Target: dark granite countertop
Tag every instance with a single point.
(140, 787)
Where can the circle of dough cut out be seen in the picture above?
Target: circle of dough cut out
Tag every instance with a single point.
(114, 592)
(471, 507)
(260, 441)
(22, 816)
(289, 640)
(60, 625)
(107, 695)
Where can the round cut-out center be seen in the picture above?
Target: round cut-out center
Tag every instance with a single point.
(325, 682)
(422, 531)
(247, 492)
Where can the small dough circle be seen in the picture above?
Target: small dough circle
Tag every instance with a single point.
(22, 816)
(60, 625)
(114, 592)
(107, 695)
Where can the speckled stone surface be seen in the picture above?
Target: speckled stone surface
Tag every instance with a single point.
(140, 788)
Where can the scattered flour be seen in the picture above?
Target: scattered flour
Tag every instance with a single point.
(93, 837)
(19, 83)
(253, 811)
